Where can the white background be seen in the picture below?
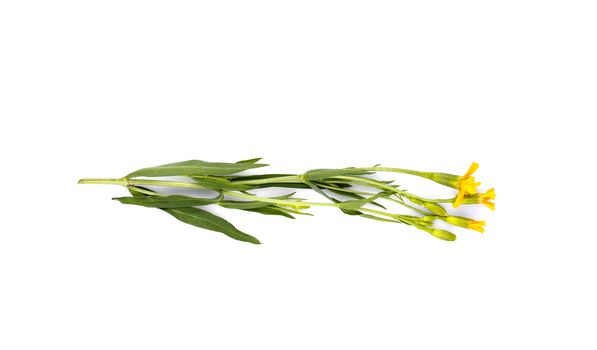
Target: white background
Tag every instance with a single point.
(98, 89)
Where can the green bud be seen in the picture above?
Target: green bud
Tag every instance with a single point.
(424, 222)
(415, 200)
(431, 206)
(458, 221)
(443, 234)
(428, 218)
(435, 208)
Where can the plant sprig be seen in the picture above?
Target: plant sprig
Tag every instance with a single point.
(234, 191)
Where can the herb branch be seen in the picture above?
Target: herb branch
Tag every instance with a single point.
(234, 192)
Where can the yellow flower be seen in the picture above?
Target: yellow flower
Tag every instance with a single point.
(466, 185)
(477, 226)
(481, 198)
(466, 223)
(487, 197)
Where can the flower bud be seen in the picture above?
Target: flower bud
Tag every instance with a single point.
(443, 234)
(431, 206)
(435, 208)
(484, 198)
(466, 223)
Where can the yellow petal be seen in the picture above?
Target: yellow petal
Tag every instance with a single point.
(469, 185)
(477, 226)
(489, 205)
(490, 194)
(458, 199)
(472, 169)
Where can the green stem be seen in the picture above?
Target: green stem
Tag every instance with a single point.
(95, 181)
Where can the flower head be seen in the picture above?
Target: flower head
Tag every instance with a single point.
(487, 197)
(481, 198)
(466, 184)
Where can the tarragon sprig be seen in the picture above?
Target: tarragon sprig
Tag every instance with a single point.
(340, 188)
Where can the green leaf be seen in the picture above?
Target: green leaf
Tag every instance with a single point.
(286, 196)
(357, 203)
(172, 201)
(257, 177)
(318, 190)
(271, 211)
(201, 218)
(219, 183)
(350, 194)
(250, 161)
(244, 204)
(204, 219)
(281, 184)
(194, 167)
(271, 184)
(319, 174)
(378, 218)
(335, 183)
(351, 212)
(136, 191)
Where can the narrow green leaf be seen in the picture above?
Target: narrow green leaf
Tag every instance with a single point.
(201, 218)
(250, 161)
(379, 218)
(219, 183)
(357, 203)
(194, 167)
(172, 201)
(319, 174)
(204, 219)
(257, 177)
(138, 191)
(318, 190)
(351, 212)
(271, 211)
(231, 204)
(350, 194)
(287, 195)
(281, 184)
(350, 205)
(244, 204)
(270, 184)
(342, 184)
